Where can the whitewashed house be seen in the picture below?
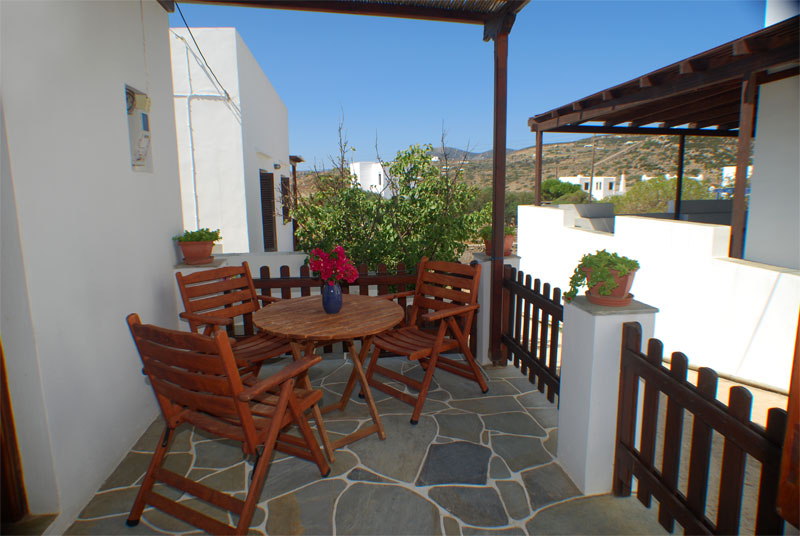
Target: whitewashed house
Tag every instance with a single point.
(234, 166)
(598, 187)
(372, 177)
(86, 233)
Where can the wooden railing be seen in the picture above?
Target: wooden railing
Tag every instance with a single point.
(531, 328)
(376, 283)
(742, 438)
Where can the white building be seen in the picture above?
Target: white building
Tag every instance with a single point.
(234, 166)
(372, 177)
(598, 187)
(729, 175)
(86, 236)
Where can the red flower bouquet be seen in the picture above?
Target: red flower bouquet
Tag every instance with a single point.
(332, 267)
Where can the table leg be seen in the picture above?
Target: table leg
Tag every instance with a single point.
(305, 383)
(358, 361)
(358, 374)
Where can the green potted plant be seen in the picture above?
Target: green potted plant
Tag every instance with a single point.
(485, 234)
(607, 276)
(197, 245)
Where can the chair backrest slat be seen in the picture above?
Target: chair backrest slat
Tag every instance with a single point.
(456, 296)
(216, 286)
(447, 280)
(221, 306)
(186, 379)
(185, 359)
(451, 267)
(210, 275)
(218, 406)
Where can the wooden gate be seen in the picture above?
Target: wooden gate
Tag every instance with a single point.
(531, 329)
(741, 438)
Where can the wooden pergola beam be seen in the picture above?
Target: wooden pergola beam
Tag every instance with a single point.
(683, 85)
(746, 124)
(653, 131)
(397, 10)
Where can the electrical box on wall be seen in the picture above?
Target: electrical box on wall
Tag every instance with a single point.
(138, 106)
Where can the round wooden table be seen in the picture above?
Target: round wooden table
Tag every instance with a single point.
(307, 325)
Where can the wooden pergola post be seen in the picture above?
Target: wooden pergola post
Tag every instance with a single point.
(747, 109)
(679, 185)
(537, 184)
(499, 181)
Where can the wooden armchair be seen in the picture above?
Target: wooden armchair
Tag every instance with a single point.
(446, 297)
(196, 381)
(216, 298)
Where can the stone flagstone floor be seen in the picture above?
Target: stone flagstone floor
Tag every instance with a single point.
(474, 464)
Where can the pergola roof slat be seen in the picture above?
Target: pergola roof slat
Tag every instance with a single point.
(464, 11)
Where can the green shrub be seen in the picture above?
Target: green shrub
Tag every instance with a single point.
(200, 235)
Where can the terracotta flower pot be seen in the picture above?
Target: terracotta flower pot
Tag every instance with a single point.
(508, 243)
(619, 297)
(197, 252)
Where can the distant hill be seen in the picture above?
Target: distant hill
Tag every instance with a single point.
(614, 155)
(455, 155)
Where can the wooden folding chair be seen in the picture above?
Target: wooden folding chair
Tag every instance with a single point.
(446, 297)
(196, 381)
(217, 298)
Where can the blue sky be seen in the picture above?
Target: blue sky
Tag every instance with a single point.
(405, 80)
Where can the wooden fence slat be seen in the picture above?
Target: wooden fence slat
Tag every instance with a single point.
(305, 271)
(626, 414)
(286, 293)
(733, 466)
(507, 322)
(525, 319)
(543, 333)
(263, 273)
(767, 519)
(673, 438)
(536, 320)
(552, 360)
(700, 453)
(655, 352)
(363, 288)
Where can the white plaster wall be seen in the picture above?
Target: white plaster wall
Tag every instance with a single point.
(94, 236)
(778, 10)
(265, 142)
(773, 222)
(209, 129)
(737, 317)
(19, 347)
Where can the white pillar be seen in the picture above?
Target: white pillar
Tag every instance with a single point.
(485, 300)
(590, 363)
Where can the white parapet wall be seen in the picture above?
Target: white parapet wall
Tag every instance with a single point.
(737, 317)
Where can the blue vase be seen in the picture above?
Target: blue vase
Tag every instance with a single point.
(331, 298)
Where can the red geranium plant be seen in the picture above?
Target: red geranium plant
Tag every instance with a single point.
(332, 267)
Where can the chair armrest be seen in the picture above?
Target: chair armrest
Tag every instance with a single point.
(453, 311)
(267, 299)
(397, 295)
(203, 319)
(291, 370)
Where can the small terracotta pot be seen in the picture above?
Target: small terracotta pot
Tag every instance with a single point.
(508, 243)
(197, 252)
(619, 297)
